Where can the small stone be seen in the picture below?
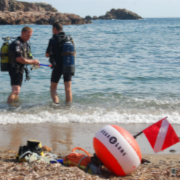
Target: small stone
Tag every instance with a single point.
(156, 166)
(172, 151)
(46, 148)
(173, 171)
(61, 141)
(11, 151)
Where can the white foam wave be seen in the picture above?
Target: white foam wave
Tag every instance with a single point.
(94, 117)
(150, 100)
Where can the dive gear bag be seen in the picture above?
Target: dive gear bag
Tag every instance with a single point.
(90, 164)
(33, 146)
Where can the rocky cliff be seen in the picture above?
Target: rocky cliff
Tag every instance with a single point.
(17, 12)
(12, 5)
(121, 14)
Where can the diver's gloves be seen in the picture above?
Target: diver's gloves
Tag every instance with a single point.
(52, 61)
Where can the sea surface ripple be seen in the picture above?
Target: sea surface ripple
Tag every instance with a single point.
(126, 72)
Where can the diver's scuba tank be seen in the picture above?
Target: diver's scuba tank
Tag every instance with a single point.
(4, 57)
(68, 58)
(5, 63)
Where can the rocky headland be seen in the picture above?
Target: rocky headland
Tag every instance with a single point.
(17, 12)
(121, 14)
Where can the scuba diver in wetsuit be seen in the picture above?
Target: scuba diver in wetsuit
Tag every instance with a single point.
(54, 52)
(19, 56)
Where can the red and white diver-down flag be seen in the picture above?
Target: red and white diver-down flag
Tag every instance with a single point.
(161, 135)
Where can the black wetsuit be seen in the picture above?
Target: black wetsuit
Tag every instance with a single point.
(16, 68)
(58, 69)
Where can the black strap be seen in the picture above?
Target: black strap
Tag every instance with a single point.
(17, 66)
(4, 54)
(82, 160)
(88, 166)
(27, 74)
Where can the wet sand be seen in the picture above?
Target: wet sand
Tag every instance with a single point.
(64, 137)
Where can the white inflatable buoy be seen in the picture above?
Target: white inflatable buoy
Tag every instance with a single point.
(117, 149)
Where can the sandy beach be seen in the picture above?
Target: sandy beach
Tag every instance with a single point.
(161, 167)
(62, 138)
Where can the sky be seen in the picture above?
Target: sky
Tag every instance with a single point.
(144, 8)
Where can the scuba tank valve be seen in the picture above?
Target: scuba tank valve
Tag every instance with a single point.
(30, 56)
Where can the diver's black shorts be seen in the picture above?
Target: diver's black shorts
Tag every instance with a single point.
(57, 73)
(16, 77)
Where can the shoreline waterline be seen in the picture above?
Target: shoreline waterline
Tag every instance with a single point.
(64, 137)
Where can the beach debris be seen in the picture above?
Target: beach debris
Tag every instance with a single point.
(89, 164)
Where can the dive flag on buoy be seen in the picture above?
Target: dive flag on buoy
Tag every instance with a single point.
(161, 135)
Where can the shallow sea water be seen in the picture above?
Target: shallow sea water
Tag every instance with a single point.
(126, 72)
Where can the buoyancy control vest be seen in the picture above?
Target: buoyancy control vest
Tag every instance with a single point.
(64, 50)
(8, 56)
(26, 52)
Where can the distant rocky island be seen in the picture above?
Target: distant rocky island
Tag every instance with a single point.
(121, 14)
(17, 12)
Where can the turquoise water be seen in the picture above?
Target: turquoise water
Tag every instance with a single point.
(126, 72)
